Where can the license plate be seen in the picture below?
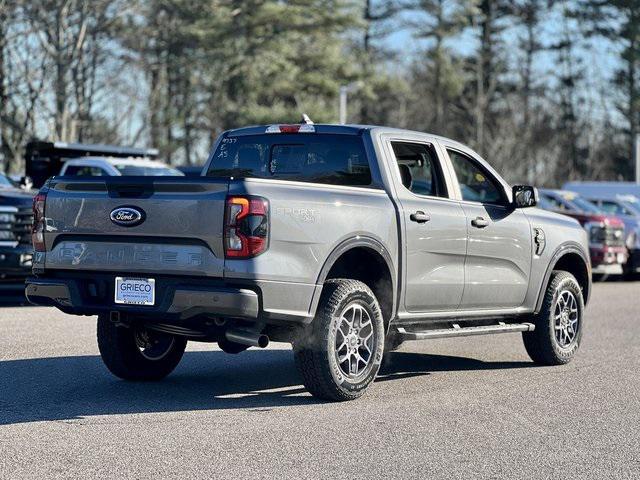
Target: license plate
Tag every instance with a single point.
(135, 291)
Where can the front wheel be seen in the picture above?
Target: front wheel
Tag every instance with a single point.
(559, 324)
(137, 353)
(341, 351)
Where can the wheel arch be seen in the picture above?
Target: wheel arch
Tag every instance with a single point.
(368, 260)
(570, 258)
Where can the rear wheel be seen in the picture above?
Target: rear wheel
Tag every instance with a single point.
(559, 324)
(137, 353)
(341, 352)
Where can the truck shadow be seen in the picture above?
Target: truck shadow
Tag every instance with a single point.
(70, 388)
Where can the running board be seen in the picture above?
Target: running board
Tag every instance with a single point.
(458, 331)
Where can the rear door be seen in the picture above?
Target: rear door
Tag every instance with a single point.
(498, 261)
(434, 228)
(180, 231)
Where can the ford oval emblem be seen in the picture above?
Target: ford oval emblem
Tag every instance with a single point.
(127, 216)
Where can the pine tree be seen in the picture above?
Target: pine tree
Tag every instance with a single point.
(486, 70)
(437, 73)
(570, 73)
(532, 118)
(619, 21)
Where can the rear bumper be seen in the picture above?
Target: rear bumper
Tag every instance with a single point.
(175, 301)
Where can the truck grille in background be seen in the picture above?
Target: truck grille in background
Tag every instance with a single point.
(608, 236)
(614, 237)
(22, 226)
(17, 230)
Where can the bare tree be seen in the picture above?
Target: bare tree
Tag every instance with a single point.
(22, 83)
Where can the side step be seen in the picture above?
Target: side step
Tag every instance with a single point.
(458, 331)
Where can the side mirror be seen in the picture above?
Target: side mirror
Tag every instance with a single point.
(524, 196)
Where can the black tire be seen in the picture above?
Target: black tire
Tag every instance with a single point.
(316, 354)
(543, 345)
(122, 353)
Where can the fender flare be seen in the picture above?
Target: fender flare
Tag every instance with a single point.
(359, 241)
(564, 249)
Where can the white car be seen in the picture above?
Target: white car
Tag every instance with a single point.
(115, 167)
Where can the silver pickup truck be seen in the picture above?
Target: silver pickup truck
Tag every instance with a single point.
(342, 240)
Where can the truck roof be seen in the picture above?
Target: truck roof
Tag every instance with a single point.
(330, 128)
(133, 161)
(71, 150)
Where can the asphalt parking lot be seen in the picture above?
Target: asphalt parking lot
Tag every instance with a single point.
(465, 408)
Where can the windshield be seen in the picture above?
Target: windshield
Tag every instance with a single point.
(545, 203)
(584, 205)
(148, 171)
(5, 182)
(633, 205)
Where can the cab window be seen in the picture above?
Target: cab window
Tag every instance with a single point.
(476, 184)
(419, 169)
(327, 158)
(84, 171)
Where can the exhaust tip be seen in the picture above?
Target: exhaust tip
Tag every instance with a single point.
(263, 341)
(244, 337)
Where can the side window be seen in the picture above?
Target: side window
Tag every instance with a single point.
(419, 169)
(84, 171)
(476, 185)
(612, 208)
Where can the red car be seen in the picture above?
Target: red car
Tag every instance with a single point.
(606, 232)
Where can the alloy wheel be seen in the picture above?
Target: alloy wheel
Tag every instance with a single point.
(354, 340)
(566, 319)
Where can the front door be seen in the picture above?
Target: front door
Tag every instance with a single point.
(435, 231)
(498, 262)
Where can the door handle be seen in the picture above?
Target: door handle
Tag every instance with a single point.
(420, 217)
(480, 222)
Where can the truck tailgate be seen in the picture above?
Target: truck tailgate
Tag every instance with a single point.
(181, 231)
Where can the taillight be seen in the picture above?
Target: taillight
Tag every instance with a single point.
(291, 128)
(38, 227)
(246, 230)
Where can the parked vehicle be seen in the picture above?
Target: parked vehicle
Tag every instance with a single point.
(607, 246)
(116, 167)
(15, 233)
(342, 240)
(619, 199)
(46, 159)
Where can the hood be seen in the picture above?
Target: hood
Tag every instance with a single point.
(584, 218)
(16, 196)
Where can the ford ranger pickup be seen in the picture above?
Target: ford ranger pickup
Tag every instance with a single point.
(344, 241)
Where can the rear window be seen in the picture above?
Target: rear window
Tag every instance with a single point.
(319, 158)
(148, 171)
